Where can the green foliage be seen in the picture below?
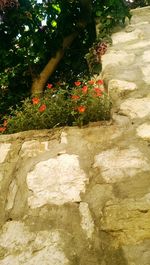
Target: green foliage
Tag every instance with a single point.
(32, 32)
(27, 44)
(138, 3)
(86, 101)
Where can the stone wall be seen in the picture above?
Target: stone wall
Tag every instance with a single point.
(75, 196)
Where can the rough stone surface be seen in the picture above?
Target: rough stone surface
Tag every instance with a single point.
(33, 148)
(116, 164)
(57, 180)
(118, 57)
(32, 248)
(4, 149)
(76, 196)
(146, 57)
(86, 222)
(127, 223)
(121, 87)
(146, 73)
(120, 37)
(143, 131)
(136, 107)
(11, 195)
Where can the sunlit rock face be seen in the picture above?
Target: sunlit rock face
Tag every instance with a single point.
(16, 238)
(76, 196)
(116, 164)
(136, 108)
(143, 131)
(56, 181)
(4, 149)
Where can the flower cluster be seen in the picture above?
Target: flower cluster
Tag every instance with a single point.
(61, 105)
(36, 101)
(87, 100)
(3, 127)
(95, 55)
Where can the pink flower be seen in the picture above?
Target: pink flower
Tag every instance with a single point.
(49, 86)
(35, 101)
(99, 82)
(84, 89)
(81, 109)
(75, 97)
(42, 108)
(77, 83)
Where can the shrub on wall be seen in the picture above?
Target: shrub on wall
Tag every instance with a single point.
(60, 105)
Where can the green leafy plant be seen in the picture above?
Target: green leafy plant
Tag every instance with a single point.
(86, 101)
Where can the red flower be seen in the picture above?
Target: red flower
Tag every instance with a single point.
(42, 108)
(91, 82)
(49, 86)
(81, 109)
(84, 89)
(2, 129)
(77, 83)
(98, 92)
(35, 101)
(99, 82)
(5, 123)
(75, 97)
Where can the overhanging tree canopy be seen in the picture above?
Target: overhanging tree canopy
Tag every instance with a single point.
(35, 37)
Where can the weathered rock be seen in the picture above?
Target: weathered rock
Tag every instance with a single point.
(143, 44)
(120, 37)
(33, 148)
(117, 164)
(136, 108)
(4, 149)
(146, 57)
(42, 247)
(117, 57)
(11, 194)
(119, 88)
(57, 180)
(86, 219)
(82, 195)
(143, 131)
(146, 73)
(127, 220)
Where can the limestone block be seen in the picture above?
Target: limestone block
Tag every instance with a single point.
(119, 86)
(15, 236)
(138, 45)
(121, 37)
(64, 138)
(139, 253)
(86, 219)
(146, 73)
(143, 131)
(135, 108)
(11, 195)
(127, 220)
(56, 180)
(30, 248)
(33, 148)
(116, 164)
(117, 57)
(1, 176)
(146, 57)
(4, 149)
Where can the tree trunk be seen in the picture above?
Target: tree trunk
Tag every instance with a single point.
(40, 82)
